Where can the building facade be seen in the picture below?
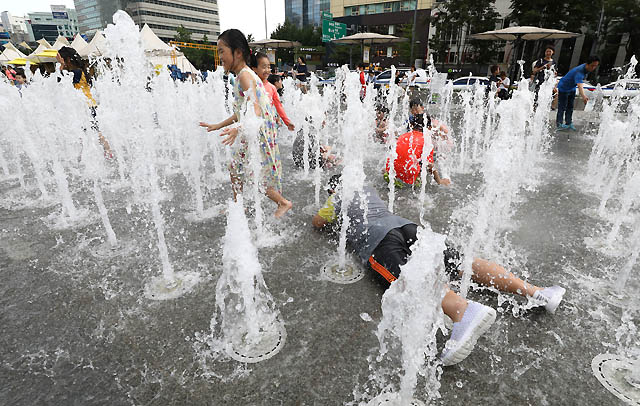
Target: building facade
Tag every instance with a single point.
(16, 26)
(201, 17)
(94, 15)
(387, 17)
(305, 12)
(45, 25)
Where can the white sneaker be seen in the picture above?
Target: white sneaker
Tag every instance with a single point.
(551, 297)
(476, 321)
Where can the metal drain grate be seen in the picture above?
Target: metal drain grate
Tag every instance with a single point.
(271, 341)
(349, 274)
(614, 373)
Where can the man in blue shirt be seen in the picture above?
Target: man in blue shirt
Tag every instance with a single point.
(567, 92)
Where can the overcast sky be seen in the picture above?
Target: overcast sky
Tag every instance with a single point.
(246, 15)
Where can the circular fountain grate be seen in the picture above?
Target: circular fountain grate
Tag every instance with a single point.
(349, 274)
(614, 372)
(157, 289)
(272, 339)
(391, 399)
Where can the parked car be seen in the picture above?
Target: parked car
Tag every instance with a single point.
(632, 89)
(382, 80)
(467, 82)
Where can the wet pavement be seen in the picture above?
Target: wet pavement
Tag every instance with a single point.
(77, 330)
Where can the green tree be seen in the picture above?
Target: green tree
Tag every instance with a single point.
(202, 59)
(619, 17)
(250, 38)
(307, 35)
(455, 21)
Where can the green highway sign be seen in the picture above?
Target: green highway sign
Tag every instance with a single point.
(333, 30)
(327, 15)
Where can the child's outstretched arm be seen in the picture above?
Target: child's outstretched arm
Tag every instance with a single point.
(222, 124)
(280, 109)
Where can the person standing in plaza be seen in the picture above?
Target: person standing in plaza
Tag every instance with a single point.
(300, 72)
(542, 65)
(567, 92)
(493, 78)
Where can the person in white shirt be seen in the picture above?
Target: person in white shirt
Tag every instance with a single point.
(412, 76)
(503, 86)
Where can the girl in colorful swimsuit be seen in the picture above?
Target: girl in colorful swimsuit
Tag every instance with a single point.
(234, 54)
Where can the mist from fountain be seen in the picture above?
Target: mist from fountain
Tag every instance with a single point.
(509, 164)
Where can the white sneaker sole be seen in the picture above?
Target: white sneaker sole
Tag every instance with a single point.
(458, 355)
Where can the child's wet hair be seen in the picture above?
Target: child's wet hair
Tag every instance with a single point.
(415, 102)
(235, 40)
(255, 58)
(273, 78)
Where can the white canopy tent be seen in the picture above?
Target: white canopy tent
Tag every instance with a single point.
(60, 42)
(42, 45)
(152, 44)
(161, 53)
(10, 52)
(78, 43)
(95, 47)
(180, 61)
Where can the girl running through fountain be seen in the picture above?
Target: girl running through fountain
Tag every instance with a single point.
(261, 66)
(72, 62)
(234, 53)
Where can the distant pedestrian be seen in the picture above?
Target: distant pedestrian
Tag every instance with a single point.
(412, 76)
(567, 92)
(541, 66)
(503, 86)
(300, 72)
(363, 80)
(372, 76)
(493, 78)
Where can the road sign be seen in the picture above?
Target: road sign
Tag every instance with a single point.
(332, 30)
(327, 15)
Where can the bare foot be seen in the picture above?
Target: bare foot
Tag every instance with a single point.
(283, 207)
(445, 182)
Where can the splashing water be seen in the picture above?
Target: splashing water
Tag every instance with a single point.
(246, 324)
(412, 315)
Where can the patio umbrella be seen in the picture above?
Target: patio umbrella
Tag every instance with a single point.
(275, 43)
(368, 38)
(525, 33)
(518, 34)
